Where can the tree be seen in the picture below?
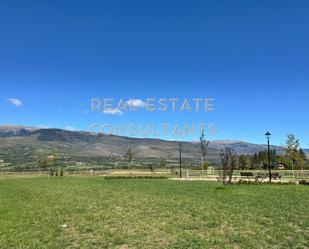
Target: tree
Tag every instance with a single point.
(255, 162)
(292, 149)
(151, 168)
(53, 163)
(129, 156)
(244, 162)
(205, 165)
(162, 162)
(42, 163)
(302, 159)
(229, 163)
(204, 149)
(261, 159)
(302, 154)
(273, 155)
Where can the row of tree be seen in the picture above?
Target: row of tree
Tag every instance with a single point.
(293, 158)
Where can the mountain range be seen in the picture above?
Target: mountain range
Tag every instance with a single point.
(24, 142)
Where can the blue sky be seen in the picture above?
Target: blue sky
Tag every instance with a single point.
(252, 57)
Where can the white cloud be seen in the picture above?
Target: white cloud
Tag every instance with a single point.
(113, 112)
(16, 102)
(136, 103)
(70, 128)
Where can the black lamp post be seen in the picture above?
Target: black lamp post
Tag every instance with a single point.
(180, 148)
(268, 135)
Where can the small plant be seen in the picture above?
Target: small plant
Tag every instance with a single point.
(204, 150)
(61, 171)
(303, 182)
(172, 169)
(247, 182)
(229, 163)
(129, 157)
(205, 165)
(151, 168)
(135, 177)
(163, 162)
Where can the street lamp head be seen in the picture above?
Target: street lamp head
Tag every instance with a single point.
(268, 135)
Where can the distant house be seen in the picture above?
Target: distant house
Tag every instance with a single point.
(280, 166)
(80, 163)
(51, 157)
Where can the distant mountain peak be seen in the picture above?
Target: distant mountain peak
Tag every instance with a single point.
(15, 130)
(226, 141)
(98, 144)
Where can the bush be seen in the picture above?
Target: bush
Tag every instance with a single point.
(303, 182)
(135, 177)
(205, 165)
(263, 183)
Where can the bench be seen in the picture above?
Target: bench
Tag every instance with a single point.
(247, 175)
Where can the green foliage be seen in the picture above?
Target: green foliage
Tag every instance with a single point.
(151, 168)
(247, 182)
(129, 155)
(206, 165)
(294, 153)
(285, 161)
(303, 182)
(204, 145)
(135, 177)
(260, 160)
(244, 162)
(61, 171)
(302, 154)
(204, 150)
(292, 147)
(163, 162)
(42, 163)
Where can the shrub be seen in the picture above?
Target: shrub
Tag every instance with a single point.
(135, 177)
(303, 182)
(229, 163)
(263, 183)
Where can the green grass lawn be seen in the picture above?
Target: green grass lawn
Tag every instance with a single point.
(91, 212)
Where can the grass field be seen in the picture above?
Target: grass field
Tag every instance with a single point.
(91, 212)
